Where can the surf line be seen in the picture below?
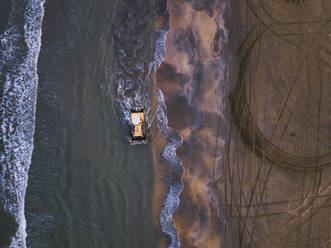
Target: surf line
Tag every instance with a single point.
(176, 169)
(19, 52)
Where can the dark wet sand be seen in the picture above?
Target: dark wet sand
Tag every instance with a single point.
(190, 78)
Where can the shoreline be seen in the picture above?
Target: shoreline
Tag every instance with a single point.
(183, 79)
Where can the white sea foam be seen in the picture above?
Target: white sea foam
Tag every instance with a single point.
(176, 171)
(132, 72)
(19, 51)
(132, 76)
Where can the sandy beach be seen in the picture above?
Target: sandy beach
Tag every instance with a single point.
(190, 78)
(247, 86)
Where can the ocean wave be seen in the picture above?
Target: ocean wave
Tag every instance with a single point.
(131, 73)
(137, 60)
(19, 51)
(176, 171)
(137, 57)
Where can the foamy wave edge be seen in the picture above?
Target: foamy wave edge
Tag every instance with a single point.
(130, 75)
(19, 51)
(176, 168)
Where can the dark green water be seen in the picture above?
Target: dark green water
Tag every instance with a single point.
(87, 186)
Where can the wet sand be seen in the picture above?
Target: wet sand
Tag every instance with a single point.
(191, 79)
(251, 102)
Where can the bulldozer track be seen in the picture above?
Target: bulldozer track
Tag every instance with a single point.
(248, 145)
(252, 135)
